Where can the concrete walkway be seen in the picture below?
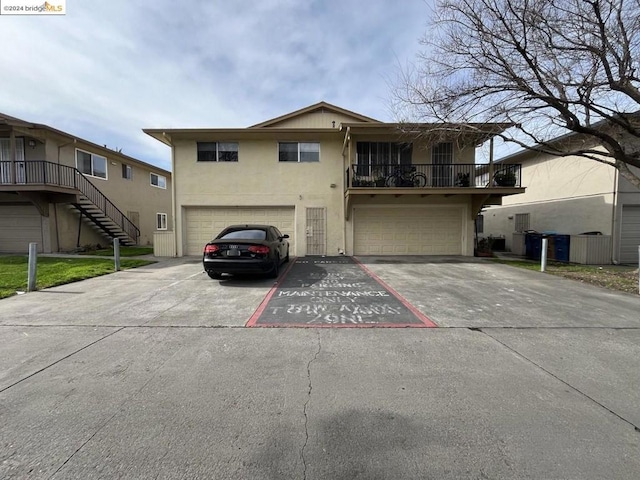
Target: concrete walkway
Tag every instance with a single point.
(151, 373)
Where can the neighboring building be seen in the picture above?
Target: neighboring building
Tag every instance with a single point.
(569, 195)
(63, 192)
(327, 177)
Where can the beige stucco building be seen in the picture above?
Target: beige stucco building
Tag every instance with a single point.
(63, 192)
(336, 181)
(570, 195)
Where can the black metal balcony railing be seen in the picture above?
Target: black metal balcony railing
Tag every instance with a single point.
(459, 175)
(39, 172)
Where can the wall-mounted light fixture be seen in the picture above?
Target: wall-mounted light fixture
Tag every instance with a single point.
(32, 143)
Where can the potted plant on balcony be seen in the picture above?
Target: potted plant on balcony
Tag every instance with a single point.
(505, 178)
(462, 180)
(379, 178)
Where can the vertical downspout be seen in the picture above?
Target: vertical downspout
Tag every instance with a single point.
(345, 178)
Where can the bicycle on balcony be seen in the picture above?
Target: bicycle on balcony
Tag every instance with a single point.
(406, 177)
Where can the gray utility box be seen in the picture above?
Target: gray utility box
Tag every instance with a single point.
(590, 249)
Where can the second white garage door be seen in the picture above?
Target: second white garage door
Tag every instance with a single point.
(408, 231)
(204, 223)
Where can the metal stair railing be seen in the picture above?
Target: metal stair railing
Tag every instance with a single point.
(38, 172)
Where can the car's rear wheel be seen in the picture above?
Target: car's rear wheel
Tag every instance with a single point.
(215, 275)
(276, 267)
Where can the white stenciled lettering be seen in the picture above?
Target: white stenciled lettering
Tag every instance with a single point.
(306, 309)
(371, 309)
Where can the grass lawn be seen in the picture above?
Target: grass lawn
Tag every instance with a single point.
(52, 271)
(613, 277)
(124, 252)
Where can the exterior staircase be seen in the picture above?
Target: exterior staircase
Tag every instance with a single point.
(53, 178)
(97, 217)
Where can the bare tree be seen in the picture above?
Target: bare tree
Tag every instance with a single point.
(549, 67)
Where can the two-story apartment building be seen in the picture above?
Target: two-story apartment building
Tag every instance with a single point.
(570, 195)
(334, 180)
(63, 192)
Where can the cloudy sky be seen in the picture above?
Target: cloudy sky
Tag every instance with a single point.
(106, 70)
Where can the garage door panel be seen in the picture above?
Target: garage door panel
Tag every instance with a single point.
(630, 234)
(19, 226)
(408, 231)
(204, 223)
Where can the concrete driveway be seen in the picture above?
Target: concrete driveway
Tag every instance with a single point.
(151, 373)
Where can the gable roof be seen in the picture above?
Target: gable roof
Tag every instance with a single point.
(23, 124)
(313, 108)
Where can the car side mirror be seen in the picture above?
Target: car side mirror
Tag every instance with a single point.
(284, 236)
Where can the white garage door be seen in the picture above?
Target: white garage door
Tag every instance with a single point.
(19, 226)
(408, 231)
(204, 223)
(630, 234)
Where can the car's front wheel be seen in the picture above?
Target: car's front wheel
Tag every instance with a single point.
(286, 259)
(215, 275)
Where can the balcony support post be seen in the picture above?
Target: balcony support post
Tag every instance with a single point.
(491, 162)
(12, 156)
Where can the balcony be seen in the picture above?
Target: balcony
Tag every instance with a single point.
(429, 177)
(424, 180)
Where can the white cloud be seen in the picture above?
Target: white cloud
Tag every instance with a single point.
(106, 70)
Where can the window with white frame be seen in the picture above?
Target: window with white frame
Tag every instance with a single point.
(298, 152)
(217, 152)
(91, 164)
(127, 171)
(158, 181)
(161, 221)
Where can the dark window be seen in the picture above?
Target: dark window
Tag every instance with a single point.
(217, 152)
(251, 234)
(158, 180)
(161, 221)
(522, 222)
(373, 158)
(91, 164)
(298, 152)
(127, 171)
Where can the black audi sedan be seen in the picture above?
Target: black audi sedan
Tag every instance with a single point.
(246, 249)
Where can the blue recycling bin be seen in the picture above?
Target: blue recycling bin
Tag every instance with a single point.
(561, 247)
(533, 245)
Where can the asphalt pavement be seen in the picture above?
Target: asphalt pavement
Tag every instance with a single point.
(154, 373)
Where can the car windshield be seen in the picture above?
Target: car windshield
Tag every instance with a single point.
(245, 235)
